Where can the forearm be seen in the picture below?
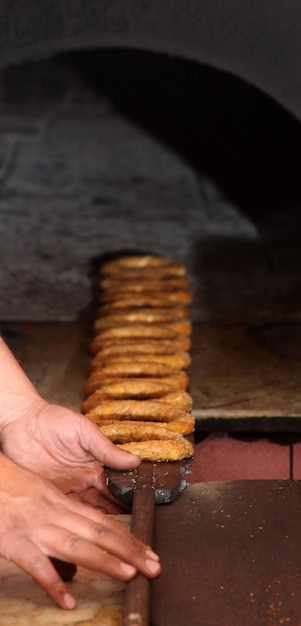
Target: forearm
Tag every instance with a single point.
(16, 390)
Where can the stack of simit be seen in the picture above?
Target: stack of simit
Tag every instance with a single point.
(137, 388)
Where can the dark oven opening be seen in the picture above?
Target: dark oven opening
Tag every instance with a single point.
(116, 149)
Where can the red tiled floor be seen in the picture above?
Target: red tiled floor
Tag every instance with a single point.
(221, 457)
(297, 461)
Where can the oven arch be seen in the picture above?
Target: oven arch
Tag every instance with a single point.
(258, 41)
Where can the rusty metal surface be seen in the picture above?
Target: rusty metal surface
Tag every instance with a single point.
(169, 480)
(231, 555)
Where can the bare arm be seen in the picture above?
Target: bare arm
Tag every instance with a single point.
(36, 519)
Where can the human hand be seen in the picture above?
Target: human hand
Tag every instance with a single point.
(38, 520)
(62, 446)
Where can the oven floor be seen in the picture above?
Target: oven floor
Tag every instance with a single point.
(56, 358)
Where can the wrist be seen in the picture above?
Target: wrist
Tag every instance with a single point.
(14, 403)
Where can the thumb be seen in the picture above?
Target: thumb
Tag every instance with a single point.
(102, 449)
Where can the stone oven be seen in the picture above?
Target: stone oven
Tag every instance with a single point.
(169, 126)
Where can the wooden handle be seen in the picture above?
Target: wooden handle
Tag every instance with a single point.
(137, 591)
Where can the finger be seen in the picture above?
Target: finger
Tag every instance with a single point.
(113, 458)
(80, 478)
(29, 557)
(99, 547)
(101, 448)
(78, 507)
(94, 497)
(100, 496)
(67, 545)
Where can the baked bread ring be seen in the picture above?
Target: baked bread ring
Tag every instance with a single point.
(140, 262)
(102, 341)
(181, 425)
(144, 369)
(149, 410)
(178, 360)
(141, 431)
(118, 285)
(180, 399)
(139, 316)
(144, 299)
(144, 315)
(138, 331)
(94, 382)
(158, 273)
(175, 448)
(146, 331)
(139, 349)
(128, 388)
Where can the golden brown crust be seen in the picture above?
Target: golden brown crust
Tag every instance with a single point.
(147, 315)
(122, 432)
(140, 331)
(124, 389)
(181, 399)
(148, 299)
(140, 316)
(138, 262)
(184, 327)
(181, 425)
(143, 330)
(149, 410)
(143, 318)
(118, 285)
(178, 381)
(100, 342)
(145, 369)
(140, 348)
(158, 273)
(178, 360)
(160, 450)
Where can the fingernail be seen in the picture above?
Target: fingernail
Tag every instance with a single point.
(128, 569)
(152, 555)
(69, 601)
(153, 566)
